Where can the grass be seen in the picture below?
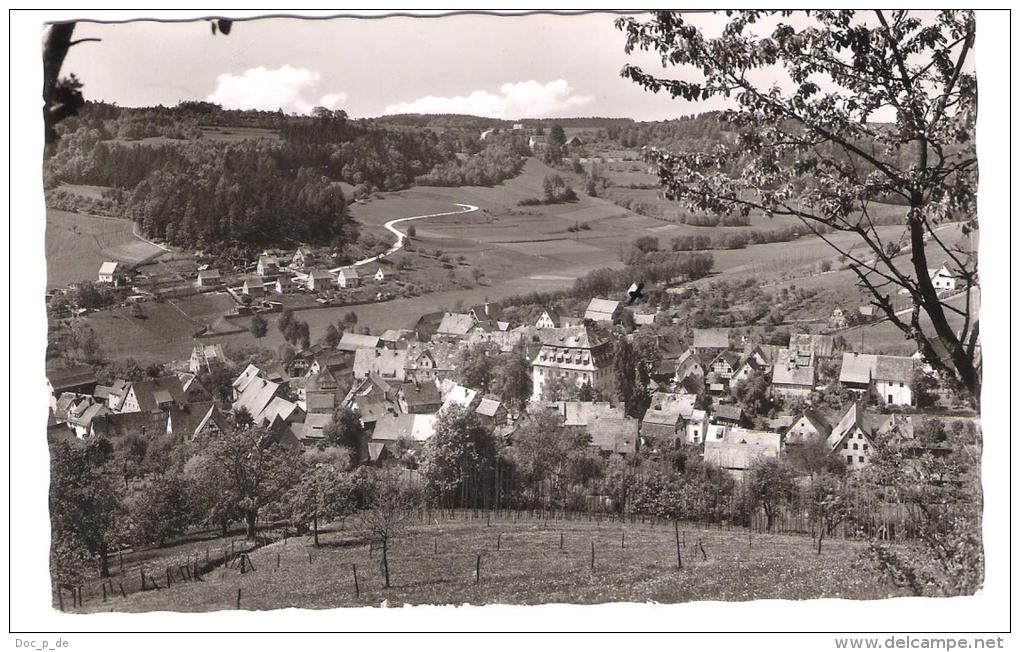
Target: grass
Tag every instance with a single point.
(76, 245)
(522, 563)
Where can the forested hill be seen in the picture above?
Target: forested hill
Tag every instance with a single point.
(196, 175)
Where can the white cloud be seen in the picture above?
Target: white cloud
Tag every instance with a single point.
(527, 99)
(288, 88)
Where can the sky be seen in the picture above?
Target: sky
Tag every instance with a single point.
(495, 66)
(508, 67)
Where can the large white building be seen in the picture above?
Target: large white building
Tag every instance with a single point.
(574, 354)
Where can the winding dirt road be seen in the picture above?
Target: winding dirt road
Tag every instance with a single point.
(402, 237)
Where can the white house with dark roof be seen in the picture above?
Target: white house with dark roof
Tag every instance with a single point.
(887, 377)
(267, 266)
(942, 278)
(318, 279)
(736, 449)
(111, 273)
(574, 354)
(208, 278)
(849, 440)
(550, 318)
(348, 277)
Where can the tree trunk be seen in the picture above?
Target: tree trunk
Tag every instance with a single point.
(104, 563)
(385, 563)
(249, 520)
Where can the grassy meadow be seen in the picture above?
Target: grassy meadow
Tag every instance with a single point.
(521, 563)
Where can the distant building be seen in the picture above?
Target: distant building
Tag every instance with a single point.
(942, 278)
(267, 266)
(206, 358)
(351, 342)
(454, 326)
(550, 318)
(253, 287)
(791, 376)
(379, 276)
(574, 354)
(849, 439)
(318, 280)
(603, 310)
(807, 426)
(887, 377)
(208, 278)
(537, 143)
(711, 340)
(387, 363)
(283, 284)
(737, 449)
(348, 277)
(111, 273)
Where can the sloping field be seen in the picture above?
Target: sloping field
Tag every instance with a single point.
(76, 245)
(523, 562)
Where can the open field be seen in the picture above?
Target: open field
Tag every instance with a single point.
(522, 563)
(76, 245)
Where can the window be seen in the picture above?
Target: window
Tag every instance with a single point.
(855, 446)
(846, 445)
(860, 458)
(849, 459)
(865, 447)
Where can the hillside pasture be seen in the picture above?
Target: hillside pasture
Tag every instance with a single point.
(76, 246)
(521, 562)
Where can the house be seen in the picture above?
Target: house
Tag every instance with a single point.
(320, 401)
(665, 417)
(301, 258)
(737, 449)
(208, 278)
(111, 273)
(419, 398)
(696, 428)
(396, 338)
(454, 326)
(111, 394)
(490, 410)
(253, 287)
(267, 266)
(807, 426)
(725, 364)
(810, 347)
(81, 412)
(690, 363)
(313, 428)
(115, 426)
(196, 419)
(80, 379)
(942, 279)
(614, 435)
(430, 362)
(348, 277)
(387, 363)
(573, 354)
(850, 440)
(888, 377)
(574, 141)
(537, 143)
(351, 342)
(427, 324)
(747, 368)
(206, 357)
(550, 318)
(157, 394)
(603, 310)
(711, 340)
(789, 378)
(256, 397)
(318, 280)
(379, 276)
(728, 414)
(838, 320)
(486, 312)
(579, 414)
(460, 396)
(415, 428)
(284, 284)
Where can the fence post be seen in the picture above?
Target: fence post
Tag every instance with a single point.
(679, 558)
(239, 598)
(60, 597)
(357, 589)
(593, 556)
(499, 538)
(478, 569)
(561, 541)
(123, 593)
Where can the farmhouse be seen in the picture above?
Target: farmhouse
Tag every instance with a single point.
(550, 318)
(574, 354)
(318, 280)
(387, 363)
(888, 377)
(603, 310)
(430, 362)
(614, 435)
(256, 397)
(711, 340)
(196, 419)
(537, 143)
(850, 440)
(666, 415)
(206, 357)
(351, 342)
(267, 266)
(749, 366)
(419, 398)
(250, 373)
(80, 379)
(111, 273)
(396, 338)
(454, 326)
(942, 278)
(283, 284)
(807, 426)
(738, 448)
(379, 276)
(158, 394)
(253, 286)
(348, 277)
(690, 363)
(302, 257)
(789, 377)
(725, 364)
(208, 278)
(491, 410)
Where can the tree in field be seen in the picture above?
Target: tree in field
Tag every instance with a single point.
(815, 142)
(327, 490)
(459, 457)
(935, 477)
(388, 512)
(344, 429)
(258, 327)
(163, 509)
(253, 468)
(829, 501)
(549, 460)
(769, 486)
(85, 510)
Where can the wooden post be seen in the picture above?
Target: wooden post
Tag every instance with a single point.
(238, 598)
(623, 539)
(60, 597)
(748, 539)
(704, 555)
(309, 557)
(357, 589)
(561, 541)
(478, 568)
(123, 593)
(820, 534)
(121, 553)
(244, 567)
(679, 558)
(104, 593)
(499, 538)
(277, 560)
(435, 545)
(593, 556)
(142, 573)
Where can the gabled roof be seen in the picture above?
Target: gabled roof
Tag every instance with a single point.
(320, 275)
(63, 377)
(250, 372)
(280, 407)
(396, 334)
(851, 421)
(786, 371)
(601, 309)
(189, 419)
(460, 396)
(581, 413)
(856, 368)
(209, 274)
(256, 397)
(313, 427)
(728, 411)
(729, 357)
(488, 406)
(348, 272)
(455, 324)
(421, 394)
(388, 363)
(108, 267)
(893, 368)
(318, 401)
(711, 338)
(816, 421)
(353, 341)
(668, 409)
(151, 393)
(393, 427)
(820, 346)
(740, 447)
